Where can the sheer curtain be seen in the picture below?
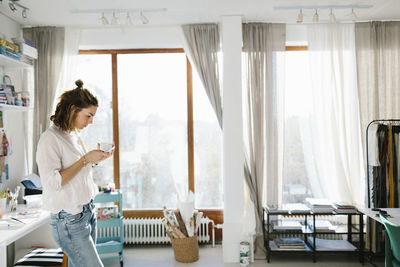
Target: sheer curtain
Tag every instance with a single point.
(335, 166)
(69, 67)
(260, 41)
(201, 45)
(378, 68)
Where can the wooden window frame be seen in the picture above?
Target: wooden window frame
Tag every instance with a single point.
(214, 214)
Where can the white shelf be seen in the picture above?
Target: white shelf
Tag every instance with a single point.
(6, 107)
(9, 62)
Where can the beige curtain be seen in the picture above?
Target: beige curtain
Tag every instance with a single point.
(260, 41)
(49, 41)
(201, 45)
(378, 67)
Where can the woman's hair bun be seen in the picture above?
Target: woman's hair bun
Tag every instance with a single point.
(79, 83)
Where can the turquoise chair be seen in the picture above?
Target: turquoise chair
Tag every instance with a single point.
(392, 243)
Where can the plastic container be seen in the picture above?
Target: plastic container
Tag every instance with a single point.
(33, 201)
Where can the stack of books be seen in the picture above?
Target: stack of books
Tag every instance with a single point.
(3, 97)
(344, 208)
(296, 208)
(322, 226)
(287, 225)
(319, 205)
(289, 243)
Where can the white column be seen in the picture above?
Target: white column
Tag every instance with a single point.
(233, 158)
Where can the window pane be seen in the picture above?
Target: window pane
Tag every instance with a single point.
(152, 93)
(296, 183)
(101, 130)
(207, 150)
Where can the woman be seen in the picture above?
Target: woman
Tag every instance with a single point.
(65, 168)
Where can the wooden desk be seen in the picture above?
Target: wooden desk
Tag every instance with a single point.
(393, 212)
(9, 236)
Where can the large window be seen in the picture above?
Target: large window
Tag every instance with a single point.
(296, 184)
(168, 139)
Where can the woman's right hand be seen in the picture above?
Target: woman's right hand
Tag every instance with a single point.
(96, 155)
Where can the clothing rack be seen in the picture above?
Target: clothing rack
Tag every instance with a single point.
(385, 121)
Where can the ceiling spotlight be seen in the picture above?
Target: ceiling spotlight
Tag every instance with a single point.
(104, 20)
(114, 19)
(353, 15)
(300, 17)
(315, 18)
(332, 17)
(143, 18)
(128, 19)
(24, 15)
(11, 4)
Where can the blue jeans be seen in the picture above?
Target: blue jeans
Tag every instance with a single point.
(76, 235)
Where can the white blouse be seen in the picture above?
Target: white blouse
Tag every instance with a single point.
(56, 151)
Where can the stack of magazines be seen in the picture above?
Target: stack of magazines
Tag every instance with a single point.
(289, 243)
(319, 205)
(344, 208)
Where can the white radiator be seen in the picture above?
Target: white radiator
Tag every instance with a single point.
(152, 231)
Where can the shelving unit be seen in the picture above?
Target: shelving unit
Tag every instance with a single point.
(9, 62)
(113, 243)
(6, 107)
(311, 242)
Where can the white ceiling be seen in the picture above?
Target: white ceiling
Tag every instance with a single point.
(58, 12)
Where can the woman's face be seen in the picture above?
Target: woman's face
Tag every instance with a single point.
(85, 117)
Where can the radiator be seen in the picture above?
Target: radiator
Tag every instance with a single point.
(152, 231)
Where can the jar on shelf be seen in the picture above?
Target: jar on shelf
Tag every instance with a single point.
(25, 98)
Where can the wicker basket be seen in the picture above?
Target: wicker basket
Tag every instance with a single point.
(186, 249)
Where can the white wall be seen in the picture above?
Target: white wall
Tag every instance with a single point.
(296, 34)
(131, 38)
(13, 121)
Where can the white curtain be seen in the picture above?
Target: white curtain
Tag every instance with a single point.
(69, 67)
(335, 166)
(201, 44)
(262, 168)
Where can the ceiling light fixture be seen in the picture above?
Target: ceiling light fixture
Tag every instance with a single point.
(143, 19)
(104, 20)
(128, 19)
(114, 19)
(332, 17)
(300, 17)
(316, 16)
(115, 12)
(353, 15)
(13, 4)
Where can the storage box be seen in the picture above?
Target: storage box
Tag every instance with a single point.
(33, 201)
(105, 213)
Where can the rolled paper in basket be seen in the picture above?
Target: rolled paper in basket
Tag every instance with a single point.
(186, 209)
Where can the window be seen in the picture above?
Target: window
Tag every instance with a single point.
(150, 94)
(296, 184)
(101, 130)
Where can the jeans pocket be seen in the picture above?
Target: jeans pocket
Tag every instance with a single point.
(73, 219)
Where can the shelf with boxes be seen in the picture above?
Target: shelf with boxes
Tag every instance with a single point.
(109, 224)
(305, 232)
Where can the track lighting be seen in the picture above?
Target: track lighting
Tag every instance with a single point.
(13, 4)
(300, 17)
(316, 16)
